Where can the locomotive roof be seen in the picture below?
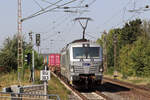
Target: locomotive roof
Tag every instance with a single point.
(80, 40)
(77, 41)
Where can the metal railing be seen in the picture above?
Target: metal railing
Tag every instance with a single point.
(33, 89)
(25, 96)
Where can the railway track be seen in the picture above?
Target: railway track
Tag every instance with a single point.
(83, 95)
(130, 91)
(92, 96)
(109, 91)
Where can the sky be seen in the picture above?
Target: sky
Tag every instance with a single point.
(58, 28)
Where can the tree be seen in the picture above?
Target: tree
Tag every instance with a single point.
(8, 54)
(130, 32)
(128, 41)
(134, 58)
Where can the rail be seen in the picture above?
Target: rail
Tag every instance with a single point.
(79, 94)
(133, 87)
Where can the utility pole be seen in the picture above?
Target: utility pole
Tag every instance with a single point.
(115, 57)
(33, 78)
(19, 36)
(32, 69)
(105, 52)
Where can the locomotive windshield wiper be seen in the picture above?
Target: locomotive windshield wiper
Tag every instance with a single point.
(92, 59)
(81, 59)
(86, 52)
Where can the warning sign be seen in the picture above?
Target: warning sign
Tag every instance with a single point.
(44, 75)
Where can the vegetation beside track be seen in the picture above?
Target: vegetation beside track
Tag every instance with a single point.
(11, 78)
(132, 53)
(144, 81)
(54, 86)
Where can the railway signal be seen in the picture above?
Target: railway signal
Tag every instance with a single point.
(28, 58)
(37, 39)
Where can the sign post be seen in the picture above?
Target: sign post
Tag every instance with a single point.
(45, 76)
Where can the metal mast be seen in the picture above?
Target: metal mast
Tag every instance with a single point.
(115, 56)
(105, 52)
(19, 36)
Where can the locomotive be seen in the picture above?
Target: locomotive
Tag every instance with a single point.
(81, 62)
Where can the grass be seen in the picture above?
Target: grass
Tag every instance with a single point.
(12, 79)
(54, 86)
(133, 80)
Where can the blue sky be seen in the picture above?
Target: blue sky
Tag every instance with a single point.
(60, 27)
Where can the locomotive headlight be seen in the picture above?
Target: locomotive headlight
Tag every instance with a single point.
(101, 69)
(72, 68)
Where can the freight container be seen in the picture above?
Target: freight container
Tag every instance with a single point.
(57, 60)
(54, 62)
(46, 60)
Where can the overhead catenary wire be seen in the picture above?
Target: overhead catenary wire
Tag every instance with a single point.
(49, 3)
(38, 4)
(67, 19)
(91, 36)
(47, 7)
(54, 10)
(65, 7)
(130, 17)
(53, 28)
(58, 24)
(45, 11)
(59, 1)
(114, 15)
(125, 21)
(92, 2)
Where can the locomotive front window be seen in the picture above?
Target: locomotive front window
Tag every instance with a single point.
(86, 52)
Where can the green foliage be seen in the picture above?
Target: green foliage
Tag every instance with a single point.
(38, 61)
(130, 32)
(55, 87)
(133, 49)
(110, 71)
(110, 48)
(134, 60)
(8, 55)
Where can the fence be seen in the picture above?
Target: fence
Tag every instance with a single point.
(30, 92)
(33, 89)
(25, 96)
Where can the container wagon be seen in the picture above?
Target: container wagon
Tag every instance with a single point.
(54, 62)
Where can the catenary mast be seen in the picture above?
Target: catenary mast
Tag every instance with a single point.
(19, 36)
